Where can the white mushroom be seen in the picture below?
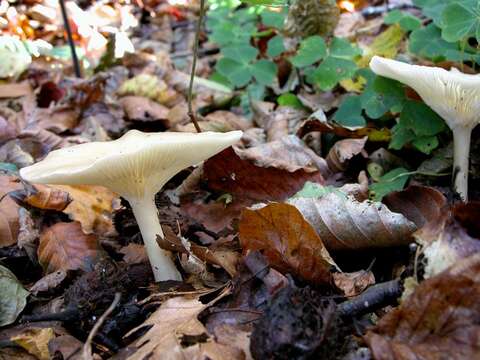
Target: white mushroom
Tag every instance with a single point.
(453, 95)
(136, 166)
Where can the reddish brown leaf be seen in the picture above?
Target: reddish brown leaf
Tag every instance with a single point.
(15, 90)
(140, 108)
(343, 151)
(419, 204)
(440, 320)
(44, 197)
(287, 240)
(64, 246)
(134, 253)
(9, 223)
(227, 172)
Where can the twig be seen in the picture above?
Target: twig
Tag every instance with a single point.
(191, 113)
(66, 315)
(87, 347)
(76, 64)
(373, 298)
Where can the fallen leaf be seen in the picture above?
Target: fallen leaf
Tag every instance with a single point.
(353, 284)
(27, 234)
(11, 152)
(287, 240)
(49, 282)
(134, 253)
(93, 207)
(440, 320)
(66, 346)
(15, 90)
(35, 341)
(64, 246)
(13, 299)
(140, 108)
(343, 151)
(43, 197)
(450, 237)
(176, 333)
(9, 225)
(346, 224)
(57, 119)
(219, 121)
(7, 130)
(419, 204)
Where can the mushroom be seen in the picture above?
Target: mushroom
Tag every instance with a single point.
(453, 95)
(136, 166)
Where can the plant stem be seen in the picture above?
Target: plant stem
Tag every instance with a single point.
(461, 153)
(76, 63)
(191, 113)
(146, 215)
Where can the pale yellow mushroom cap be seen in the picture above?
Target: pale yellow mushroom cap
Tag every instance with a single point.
(136, 165)
(453, 95)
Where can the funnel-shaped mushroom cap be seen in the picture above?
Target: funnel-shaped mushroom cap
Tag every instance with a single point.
(453, 95)
(136, 165)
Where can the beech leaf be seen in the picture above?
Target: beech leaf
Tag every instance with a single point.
(287, 240)
(346, 224)
(13, 298)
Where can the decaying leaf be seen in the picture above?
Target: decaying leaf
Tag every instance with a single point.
(354, 283)
(419, 204)
(140, 108)
(13, 297)
(9, 225)
(134, 253)
(450, 237)
(44, 197)
(287, 240)
(35, 341)
(64, 246)
(343, 151)
(48, 282)
(346, 224)
(176, 333)
(440, 320)
(92, 206)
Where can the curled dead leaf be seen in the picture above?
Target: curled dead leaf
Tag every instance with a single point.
(140, 108)
(287, 240)
(9, 223)
(353, 284)
(343, 151)
(346, 224)
(64, 246)
(43, 197)
(440, 320)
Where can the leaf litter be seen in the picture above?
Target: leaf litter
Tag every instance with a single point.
(295, 243)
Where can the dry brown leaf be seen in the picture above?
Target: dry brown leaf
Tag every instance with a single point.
(353, 284)
(67, 347)
(35, 341)
(92, 206)
(343, 151)
(420, 204)
(64, 246)
(176, 334)
(11, 152)
(44, 197)
(346, 224)
(15, 90)
(9, 224)
(287, 240)
(134, 253)
(220, 121)
(7, 130)
(57, 119)
(440, 320)
(48, 282)
(140, 108)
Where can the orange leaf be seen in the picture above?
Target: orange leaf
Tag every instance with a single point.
(287, 240)
(64, 246)
(48, 198)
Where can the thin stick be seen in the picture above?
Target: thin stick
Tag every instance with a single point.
(76, 64)
(87, 347)
(191, 113)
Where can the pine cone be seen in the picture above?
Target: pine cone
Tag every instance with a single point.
(312, 17)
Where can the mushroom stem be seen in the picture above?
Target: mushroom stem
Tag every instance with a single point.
(146, 215)
(461, 151)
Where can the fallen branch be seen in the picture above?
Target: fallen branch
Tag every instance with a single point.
(375, 297)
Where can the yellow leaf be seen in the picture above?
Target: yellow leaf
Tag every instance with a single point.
(149, 86)
(35, 341)
(386, 44)
(352, 85)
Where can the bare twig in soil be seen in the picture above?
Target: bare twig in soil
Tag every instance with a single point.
(66, 315)
(373, 298)
(76, 63)
(191, 113)
(87, 347)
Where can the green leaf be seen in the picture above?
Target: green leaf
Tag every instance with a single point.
(240, 53)
(312, 49)
(392, 181)
(265, 2)
(460, 21)
(422, 120)
(264, 71)
(426, 144)
(407, 21)
(427, 42)
(291, 100)
(237, 73)
(275, 46)
(274, 19)
(349, 113)
(314, 190)
(401, 135)
(13, 297)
